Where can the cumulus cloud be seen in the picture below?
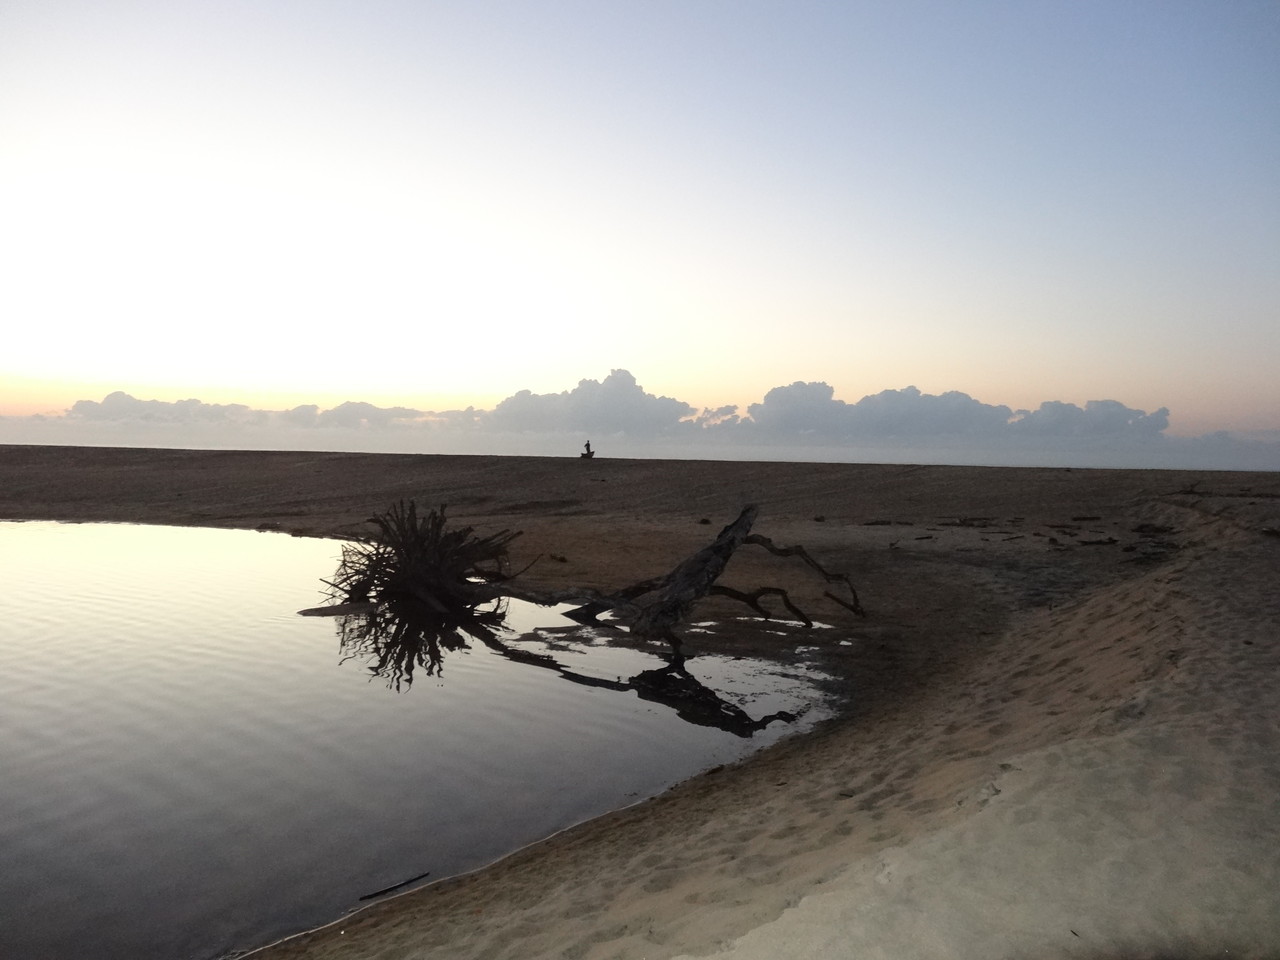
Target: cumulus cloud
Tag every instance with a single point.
(800, 408)
(306, 415)
(726, 416)
(120, 406)
(798, 421)
(618, 404)
(1098, 418)
(357, 415)
(910, 413)
(469, 419)
(811, 408)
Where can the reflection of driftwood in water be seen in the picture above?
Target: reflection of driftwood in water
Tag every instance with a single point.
(397, 644)
(421, 562)
(695, 703)
(672, 686)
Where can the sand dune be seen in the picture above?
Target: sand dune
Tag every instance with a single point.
(1064, 727)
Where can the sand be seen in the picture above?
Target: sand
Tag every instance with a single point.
(1063, 738)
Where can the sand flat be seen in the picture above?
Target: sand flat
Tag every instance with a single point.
(1064, 727)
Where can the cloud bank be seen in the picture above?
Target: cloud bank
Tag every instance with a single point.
(799, 421)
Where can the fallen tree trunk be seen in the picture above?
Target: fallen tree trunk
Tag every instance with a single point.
(650, 608)
(692, 580)
(671, 597)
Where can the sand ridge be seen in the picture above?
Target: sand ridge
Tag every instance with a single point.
(1063, 731)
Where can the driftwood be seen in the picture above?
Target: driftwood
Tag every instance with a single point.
(653, 608)
(420, 562)
(420, 589)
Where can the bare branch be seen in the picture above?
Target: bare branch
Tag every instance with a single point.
(855, 606)
(752, 600)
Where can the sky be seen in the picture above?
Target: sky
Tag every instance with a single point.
(439, 205)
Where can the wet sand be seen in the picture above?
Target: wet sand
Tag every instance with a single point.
(1064, 730)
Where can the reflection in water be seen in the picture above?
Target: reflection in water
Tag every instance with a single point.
(696, 703)
(396, 639)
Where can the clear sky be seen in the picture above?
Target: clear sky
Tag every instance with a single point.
(438, 204)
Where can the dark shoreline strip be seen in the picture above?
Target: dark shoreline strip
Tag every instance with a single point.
(395, 886)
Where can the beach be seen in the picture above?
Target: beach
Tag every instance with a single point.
(1062, 734)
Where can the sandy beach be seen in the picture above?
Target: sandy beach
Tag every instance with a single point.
(1063, 731)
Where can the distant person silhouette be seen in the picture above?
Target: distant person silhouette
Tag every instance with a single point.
(589, 453)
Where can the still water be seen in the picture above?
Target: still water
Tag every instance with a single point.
(188, 768)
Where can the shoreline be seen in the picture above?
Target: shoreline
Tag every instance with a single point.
(1031, 632)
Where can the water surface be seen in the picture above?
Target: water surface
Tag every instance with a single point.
(189, 768)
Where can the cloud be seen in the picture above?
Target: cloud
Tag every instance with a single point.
(1098, 418)
(910, 413)
(120, 406)
(810, 408)
(616, 405)
(726, 416)
(800, 408)
(360, 415)
(306, 415)
(797, 421)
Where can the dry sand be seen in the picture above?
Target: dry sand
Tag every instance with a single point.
(1064, 739)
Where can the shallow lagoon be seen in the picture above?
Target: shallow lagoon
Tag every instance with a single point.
(190, 768)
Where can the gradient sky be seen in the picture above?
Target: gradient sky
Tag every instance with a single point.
(440, 203)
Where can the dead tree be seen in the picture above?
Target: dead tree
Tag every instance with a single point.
(418, 561)
(653, 608)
